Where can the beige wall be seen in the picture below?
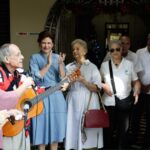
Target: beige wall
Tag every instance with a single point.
(28, 16)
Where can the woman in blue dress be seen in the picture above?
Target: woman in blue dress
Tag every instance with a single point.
(47, 70)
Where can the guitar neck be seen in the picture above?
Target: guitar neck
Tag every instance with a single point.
(50, 90)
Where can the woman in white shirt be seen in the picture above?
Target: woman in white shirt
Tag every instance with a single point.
(124, 77)
(78, 98)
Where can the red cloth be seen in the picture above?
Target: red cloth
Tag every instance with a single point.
(27, 127)
(40, 90)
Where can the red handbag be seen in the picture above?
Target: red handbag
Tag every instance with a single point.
(96, 118)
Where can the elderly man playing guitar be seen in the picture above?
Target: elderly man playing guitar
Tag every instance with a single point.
(11, 59)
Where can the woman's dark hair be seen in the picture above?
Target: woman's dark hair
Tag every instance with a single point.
(43, 35)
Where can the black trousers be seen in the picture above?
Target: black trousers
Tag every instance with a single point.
(115, 137)
(109, 140)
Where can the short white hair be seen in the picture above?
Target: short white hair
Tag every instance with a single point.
(4, 52)
(117, 42)
(81, 42)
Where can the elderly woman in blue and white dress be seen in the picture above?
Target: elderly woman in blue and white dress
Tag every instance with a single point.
(124, 78)
(78, 97)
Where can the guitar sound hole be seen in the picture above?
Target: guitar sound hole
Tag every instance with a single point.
(27, 105)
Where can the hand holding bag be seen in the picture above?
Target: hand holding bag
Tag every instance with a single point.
(96, 118)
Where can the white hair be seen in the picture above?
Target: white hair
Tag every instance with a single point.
(4, 52)
(81, 42)
(117, 42)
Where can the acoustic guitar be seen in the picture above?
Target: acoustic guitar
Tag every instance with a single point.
(34, 105)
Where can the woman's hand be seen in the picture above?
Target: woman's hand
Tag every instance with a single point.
(81, 79)
(74, 76)
(106, 89)
(61, 58)
(44, 70)
(89, 85)
(136, 96)
(136, 90)
(49, 58)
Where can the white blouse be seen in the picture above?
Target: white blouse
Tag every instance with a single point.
(123, 74)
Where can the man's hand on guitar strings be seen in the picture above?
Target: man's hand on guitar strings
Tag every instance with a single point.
(28, 82)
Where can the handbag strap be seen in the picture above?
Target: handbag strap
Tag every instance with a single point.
(89, 100)
(111, 77)
(100, 100)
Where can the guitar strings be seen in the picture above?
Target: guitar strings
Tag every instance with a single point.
(36, 119)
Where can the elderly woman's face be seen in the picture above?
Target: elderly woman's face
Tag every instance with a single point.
(78, 51)
(115, 50)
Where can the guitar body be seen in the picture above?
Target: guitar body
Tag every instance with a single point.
(12, 130)
(36, 109)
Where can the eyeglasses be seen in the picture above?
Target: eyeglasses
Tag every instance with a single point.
(114, 49)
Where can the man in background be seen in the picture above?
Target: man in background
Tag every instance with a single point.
(144, 99)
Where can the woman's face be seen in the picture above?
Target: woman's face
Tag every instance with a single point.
(115, 51)
(46, 45)
(78, 51)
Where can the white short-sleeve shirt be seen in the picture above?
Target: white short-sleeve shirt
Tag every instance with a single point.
(144, 58)
(124, 74)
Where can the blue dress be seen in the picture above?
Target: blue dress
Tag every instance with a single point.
(50, 125)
